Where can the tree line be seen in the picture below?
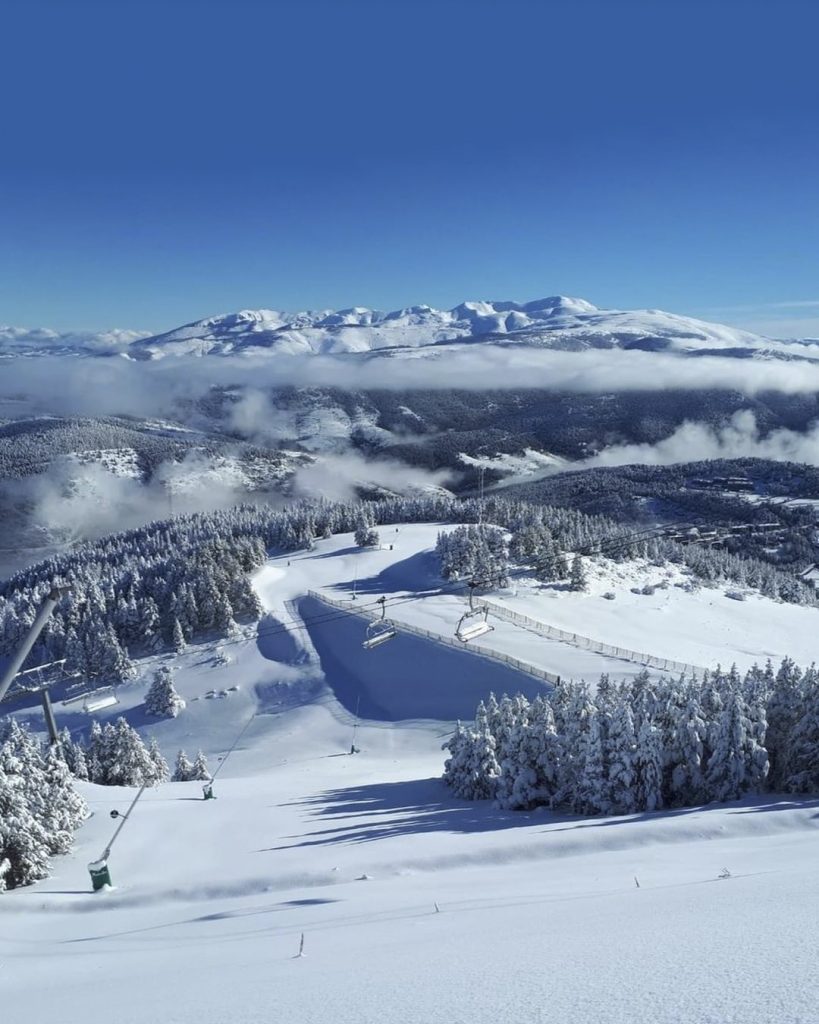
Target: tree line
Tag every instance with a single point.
(163, 585)
(643, 744)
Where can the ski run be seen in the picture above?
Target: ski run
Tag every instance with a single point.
(324, 886)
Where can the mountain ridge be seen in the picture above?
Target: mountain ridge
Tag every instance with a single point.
(555, 322)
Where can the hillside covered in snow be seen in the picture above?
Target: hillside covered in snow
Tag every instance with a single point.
(557, 322)
(316, 871)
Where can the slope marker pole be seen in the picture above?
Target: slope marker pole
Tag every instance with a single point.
(353, 748)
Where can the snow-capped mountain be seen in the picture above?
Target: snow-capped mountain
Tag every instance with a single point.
(557, 322)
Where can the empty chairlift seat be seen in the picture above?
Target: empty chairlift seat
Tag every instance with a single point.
(379, 631)
(94, 700)
(474, 622)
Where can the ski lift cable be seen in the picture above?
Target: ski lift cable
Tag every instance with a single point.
(605, 545)
(295, 625)
(233, 746)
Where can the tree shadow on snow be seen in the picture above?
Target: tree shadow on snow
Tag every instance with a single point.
(362, 814)
(418, 571)
(352, 550)
(399, 809)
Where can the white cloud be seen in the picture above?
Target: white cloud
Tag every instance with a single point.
(335, 476)
(120, 386)
(692, 442)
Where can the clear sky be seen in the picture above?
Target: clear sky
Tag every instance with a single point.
(163, 161)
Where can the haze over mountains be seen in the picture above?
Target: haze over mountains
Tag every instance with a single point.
(112, 429)
(557, 322)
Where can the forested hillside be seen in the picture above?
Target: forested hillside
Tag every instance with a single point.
(164, 584)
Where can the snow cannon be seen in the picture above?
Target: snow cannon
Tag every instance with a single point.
(100, 875)
(98, 869)
(207, 790)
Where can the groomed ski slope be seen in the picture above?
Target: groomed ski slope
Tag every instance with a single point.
(539, 916)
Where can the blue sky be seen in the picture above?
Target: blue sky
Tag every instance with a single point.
(165, 161)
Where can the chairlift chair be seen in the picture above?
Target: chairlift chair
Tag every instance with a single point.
(474, 622)
(99, 700)
(379, 631)
(95, 700)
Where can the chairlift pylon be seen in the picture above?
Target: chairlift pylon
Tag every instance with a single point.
(473, 623)
(379, 631)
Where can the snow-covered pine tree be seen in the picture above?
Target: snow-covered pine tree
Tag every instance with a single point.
(472, 770)
(199, 768)
(517, 779)
(61, 806)
(648, 763)
(183, 769)
(128, 760)
(574, 724)
(689, 732)
(162, 699)
(161, 771)
(94, 759)
(365, 534)
(577, 578)
(178, 641)
(620, 757)
(786, 706)
(803, 759)
(73, 756)
(737, 763)
(592, 790)
(39, 808)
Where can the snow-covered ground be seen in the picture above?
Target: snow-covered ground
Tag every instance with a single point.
(540, 918)
(705, 628)
(415, 907)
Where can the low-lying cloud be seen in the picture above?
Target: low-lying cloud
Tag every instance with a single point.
(337, 476)
(116, 385)
(695, 442)
(71, 501)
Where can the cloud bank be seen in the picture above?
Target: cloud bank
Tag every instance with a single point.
(695, 442)
(110, 386)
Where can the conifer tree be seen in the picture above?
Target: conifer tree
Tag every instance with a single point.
(199, 769)
(161, 772)
(39, 808)
(577, 579)
(183, 769)
(178, 638)
(162, 699)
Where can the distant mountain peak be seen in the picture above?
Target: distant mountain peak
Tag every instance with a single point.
(557, 322)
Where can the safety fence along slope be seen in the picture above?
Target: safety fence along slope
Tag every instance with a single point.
(585, 642)
(472, 648)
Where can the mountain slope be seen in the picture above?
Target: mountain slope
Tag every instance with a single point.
(555, 322)
(405, 897)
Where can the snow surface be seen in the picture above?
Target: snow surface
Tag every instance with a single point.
(557, 322)
(702, 628)
(539, 917)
